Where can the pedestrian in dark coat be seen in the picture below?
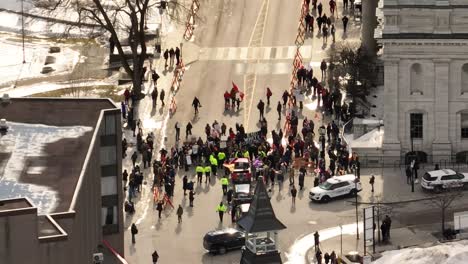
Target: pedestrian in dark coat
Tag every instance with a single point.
(159, 207)
(371, 182)
(161, 97)
(166, 56)
(184, 184)
(134, 158)
(171, 57)
(278, 109)
(134, 231)
(191, 197)
(318, 256)
(155, 257)
(345, 20)
(293, 195)
(188, 130)
(302, 172)
(326, 257)
(177, 55)
(319, 9)
(180, 212)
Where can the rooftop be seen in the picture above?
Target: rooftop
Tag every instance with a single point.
(42, 154)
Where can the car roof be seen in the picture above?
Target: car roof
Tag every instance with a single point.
(238, 160)
(245, 188)
(341, 178)
(444, 172)
(223, 231)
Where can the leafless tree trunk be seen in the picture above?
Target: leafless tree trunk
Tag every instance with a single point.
(444, 202)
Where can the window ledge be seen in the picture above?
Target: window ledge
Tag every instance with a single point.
(416, 93)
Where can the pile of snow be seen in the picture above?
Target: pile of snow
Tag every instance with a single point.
(449, 253)
(23, 142)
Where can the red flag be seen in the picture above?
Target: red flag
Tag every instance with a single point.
(236, 89)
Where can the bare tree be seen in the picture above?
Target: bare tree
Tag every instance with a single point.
(444, 202)
(115, 16)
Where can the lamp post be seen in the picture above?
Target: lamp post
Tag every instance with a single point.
(413, 161)
(356, 201)
(341, 241)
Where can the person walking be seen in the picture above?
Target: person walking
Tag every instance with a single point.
(345, 6)
(293, 195)
(188, 129)
(268, 94)
(199, 170)
(278, 109)
(191, 197)
(302, 173)
(318, 256)
(388, 223)
(408, 174)
(316, 240)
(332, 5)
(320, 9)
(291, 176)
(154, 96)
(333, 31)
(161, 97)
(207, 171)
(185, 184)
(159, 207)
(155, 77)
(333, 257)
(134, 158)
(196, 104)
(166, 56)
(285, 97)
(221, 209)
(224, 184)
(134, 231)
(177, 56)
(171, 57)
(155, 257)
(371, 182)
(261, 109)
(177, 130)
(326, 257)
(345, 20)
(180, 212)
(323, 68)
(325, 34)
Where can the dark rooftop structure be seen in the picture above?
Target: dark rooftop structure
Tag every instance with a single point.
(261, 217)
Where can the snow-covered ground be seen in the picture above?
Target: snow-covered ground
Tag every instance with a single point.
(449, 253)
(22, 142)
(36, 51)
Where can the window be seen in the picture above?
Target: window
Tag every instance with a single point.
(464, 125)
(109, 185)
(109, 215)
(416, 79)
(416, 125)
(108, 155)
(464, 79)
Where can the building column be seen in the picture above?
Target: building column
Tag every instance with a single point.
(369, 23)
(391, 143)
(441, 144)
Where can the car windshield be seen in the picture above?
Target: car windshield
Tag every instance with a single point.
(428, 177)
(325, 186)
(241, 166)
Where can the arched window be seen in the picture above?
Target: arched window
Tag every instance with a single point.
(464, 78)
(416, 79)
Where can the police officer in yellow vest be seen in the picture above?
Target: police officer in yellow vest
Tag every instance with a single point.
(221, 209)
(221, 158)
(224, 184)
(246, 154)
(207, 170)
(199, 170)
(214, 164)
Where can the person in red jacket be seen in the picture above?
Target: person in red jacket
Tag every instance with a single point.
(227, 98)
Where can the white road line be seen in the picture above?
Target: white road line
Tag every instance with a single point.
(291, 52)
(253, 53)
(243, 53)
(266, 53)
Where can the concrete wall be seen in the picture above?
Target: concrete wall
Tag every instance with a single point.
(19, 238)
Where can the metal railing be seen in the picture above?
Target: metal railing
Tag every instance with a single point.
(444, 161)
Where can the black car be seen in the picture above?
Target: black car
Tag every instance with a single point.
(220, 241)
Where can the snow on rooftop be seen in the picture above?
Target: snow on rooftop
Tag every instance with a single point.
(21, 142)
(448, 253)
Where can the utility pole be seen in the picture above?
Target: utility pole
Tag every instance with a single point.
(356, 201)
(22, 29)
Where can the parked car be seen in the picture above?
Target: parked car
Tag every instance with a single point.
(439, 180)
(222, 240)
(241, 172)
(334, 187)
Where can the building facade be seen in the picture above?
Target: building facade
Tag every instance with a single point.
(77, 162)
(425, 54)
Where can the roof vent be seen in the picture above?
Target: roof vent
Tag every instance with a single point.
(3, 125)
(6, 98)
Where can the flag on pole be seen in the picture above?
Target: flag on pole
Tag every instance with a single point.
(236, 89)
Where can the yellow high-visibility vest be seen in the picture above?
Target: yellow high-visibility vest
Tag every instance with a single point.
(207, 169)
(199, 169)
(221, 208)
(224, 181)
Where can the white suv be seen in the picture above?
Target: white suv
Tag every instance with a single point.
(439, 180)
(334, 187)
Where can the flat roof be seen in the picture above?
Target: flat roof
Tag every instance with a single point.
(43, 152)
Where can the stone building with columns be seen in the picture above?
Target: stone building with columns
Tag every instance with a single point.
(425, 55)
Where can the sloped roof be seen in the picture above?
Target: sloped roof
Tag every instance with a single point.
(248, 257)
(261, 216)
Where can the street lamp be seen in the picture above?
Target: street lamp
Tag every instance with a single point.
(356, 180)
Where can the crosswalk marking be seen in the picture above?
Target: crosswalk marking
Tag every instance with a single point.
(253, 53)
(268, 68)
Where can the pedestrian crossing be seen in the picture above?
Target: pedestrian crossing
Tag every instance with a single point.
(252, 53)
(268, 68)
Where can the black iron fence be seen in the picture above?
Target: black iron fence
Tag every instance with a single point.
(427, 161)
